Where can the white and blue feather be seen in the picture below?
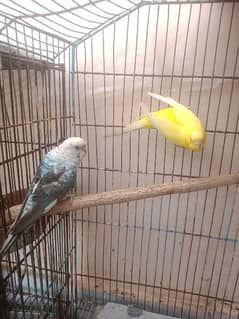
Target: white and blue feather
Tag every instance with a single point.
(55, 177)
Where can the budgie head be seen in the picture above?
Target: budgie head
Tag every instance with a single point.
(197, 140)
(75, 148)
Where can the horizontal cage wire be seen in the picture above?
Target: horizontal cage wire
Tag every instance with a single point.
(81, 68)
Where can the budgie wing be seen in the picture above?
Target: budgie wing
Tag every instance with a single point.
(47, 186)
(165, 99)
(150, 116)
(164, 125)
(182, 114)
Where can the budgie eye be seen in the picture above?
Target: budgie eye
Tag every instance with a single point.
(77, 147)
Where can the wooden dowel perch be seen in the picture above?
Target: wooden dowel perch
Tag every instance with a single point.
(131, 194)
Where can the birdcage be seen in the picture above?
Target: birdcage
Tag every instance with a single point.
(81, 68)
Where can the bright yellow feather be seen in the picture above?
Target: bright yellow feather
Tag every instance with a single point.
(177, 123)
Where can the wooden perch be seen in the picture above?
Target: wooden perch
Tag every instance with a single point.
(131, 194)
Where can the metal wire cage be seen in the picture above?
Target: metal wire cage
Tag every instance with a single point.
(82, 68)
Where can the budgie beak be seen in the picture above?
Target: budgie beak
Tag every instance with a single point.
(197, 141)
(198, 145)
(84, 150)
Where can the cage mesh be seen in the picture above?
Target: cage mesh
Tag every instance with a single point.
(81, 68)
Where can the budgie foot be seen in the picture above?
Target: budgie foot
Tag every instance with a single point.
(68, 197)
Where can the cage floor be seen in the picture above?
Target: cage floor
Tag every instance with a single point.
(87, 310)
(84, 310)
(118, 311)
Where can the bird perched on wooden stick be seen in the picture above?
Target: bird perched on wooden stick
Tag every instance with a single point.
(55, 177)
(177, 123)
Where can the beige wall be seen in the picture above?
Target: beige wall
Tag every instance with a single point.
(195, 249)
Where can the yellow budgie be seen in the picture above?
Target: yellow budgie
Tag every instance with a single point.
(177, 123)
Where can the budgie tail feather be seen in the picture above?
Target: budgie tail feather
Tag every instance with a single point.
(150, 116)
(7, 244)
(129, 128)
(167, 100)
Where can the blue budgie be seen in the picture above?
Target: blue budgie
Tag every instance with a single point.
(55, 177)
